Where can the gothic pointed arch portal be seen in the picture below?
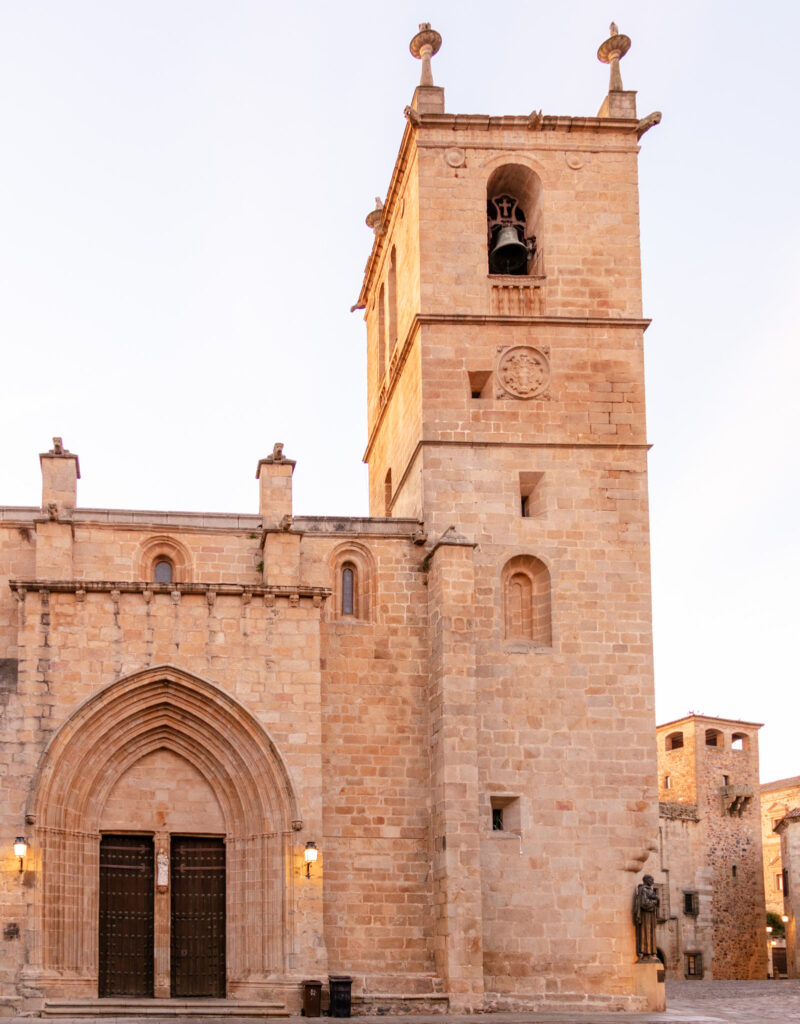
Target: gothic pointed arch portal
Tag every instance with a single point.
(169, 712)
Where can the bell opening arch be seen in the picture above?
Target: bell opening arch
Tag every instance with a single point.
(162, 709)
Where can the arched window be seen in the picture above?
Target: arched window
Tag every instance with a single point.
(392, 299)
(674, 741)
(162, 571)
(513, 220)
(740, 741)
(714, 738)
(526, 600)
(353, 582)
(163, 559)
(348, 584)
(381, 333)
(387, 493)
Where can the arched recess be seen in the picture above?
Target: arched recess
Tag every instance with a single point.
(522, 187)
(527, 611)
(164, 547)
(356, 558)
(163, 708)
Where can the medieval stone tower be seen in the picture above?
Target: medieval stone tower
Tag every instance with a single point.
(415, 748)
(506, 412)
(709, 863)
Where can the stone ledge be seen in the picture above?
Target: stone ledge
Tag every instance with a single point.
(142, 587)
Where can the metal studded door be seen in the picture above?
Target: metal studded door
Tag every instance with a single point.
(198, 916)
(126, 916)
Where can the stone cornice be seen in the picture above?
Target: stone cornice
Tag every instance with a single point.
(639, 323)
(548, 123)
(83, 587)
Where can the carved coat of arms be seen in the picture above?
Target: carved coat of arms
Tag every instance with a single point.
(523, 371)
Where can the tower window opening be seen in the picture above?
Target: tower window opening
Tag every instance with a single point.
(531, 492)
(509, 249)
(392, 301)
(667, 782)
(381, 333)
(506, 814)
(740, 741)
(387, 493)
(674, 741)
(714, 738)
(162, 571)
(479, 383)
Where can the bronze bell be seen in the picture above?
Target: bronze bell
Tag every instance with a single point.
(509, 255)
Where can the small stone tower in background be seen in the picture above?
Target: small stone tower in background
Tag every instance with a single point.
(710, 861)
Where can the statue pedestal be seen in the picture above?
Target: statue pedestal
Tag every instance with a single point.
(650, 984)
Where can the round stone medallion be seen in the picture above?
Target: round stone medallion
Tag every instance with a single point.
(455, 157)
(523, 371)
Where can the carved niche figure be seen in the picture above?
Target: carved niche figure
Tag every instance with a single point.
(162, 870)
(645, 912)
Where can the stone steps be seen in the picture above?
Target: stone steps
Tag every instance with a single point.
(124, 1007)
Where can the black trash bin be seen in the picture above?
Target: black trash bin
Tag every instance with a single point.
(340, 995)
(312, 996)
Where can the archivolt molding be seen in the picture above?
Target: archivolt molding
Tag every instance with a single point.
(164, 546)
(514, 156)
(163, 707)
(360, 557)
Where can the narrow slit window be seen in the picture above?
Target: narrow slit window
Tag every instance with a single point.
(531, 491)
(162, 571)
(348, 590)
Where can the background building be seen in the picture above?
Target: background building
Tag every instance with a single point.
(777, 800)
(709, 863)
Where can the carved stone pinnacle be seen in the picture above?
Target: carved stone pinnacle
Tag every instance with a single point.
(423, 46)
(611, 52)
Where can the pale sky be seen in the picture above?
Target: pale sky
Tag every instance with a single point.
(183, 185)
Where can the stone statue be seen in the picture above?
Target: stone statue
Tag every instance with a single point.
(645, 911)
(162, 870)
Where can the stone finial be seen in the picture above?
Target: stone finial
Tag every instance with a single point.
(423, 46)
(611, 52)
(374, 218)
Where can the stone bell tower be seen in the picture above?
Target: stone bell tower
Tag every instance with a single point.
(506, 411)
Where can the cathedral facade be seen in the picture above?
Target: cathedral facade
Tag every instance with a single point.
(416, 748)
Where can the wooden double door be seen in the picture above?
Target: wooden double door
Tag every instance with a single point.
(129, 909)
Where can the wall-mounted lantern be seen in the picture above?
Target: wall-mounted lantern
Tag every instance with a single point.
(310, 854)
(20, 849)
(785, 918)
